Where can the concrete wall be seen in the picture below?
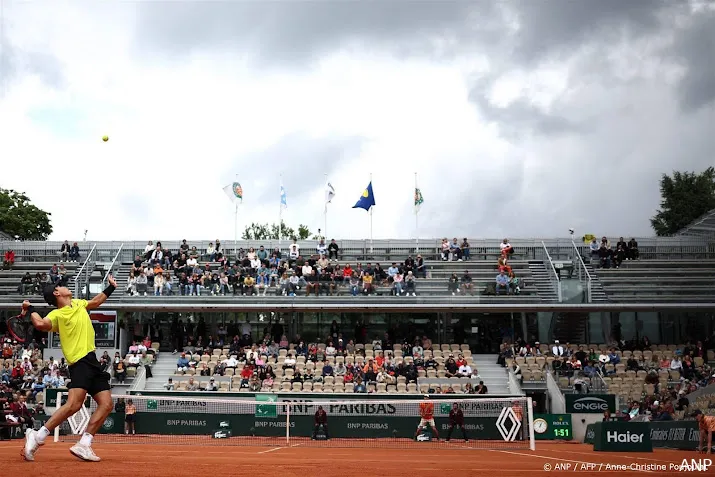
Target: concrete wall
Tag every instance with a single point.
(579, 423)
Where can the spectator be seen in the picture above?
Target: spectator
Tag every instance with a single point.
(445, 249)
(120, 372)
(464, 371)
(8, 260)
(192, 385)
(74, 252)
(506, 248)
(633, 253)
(182, 364)
(27, 284)
(169, 386)
(321, 421)
(465, 249)
(333, 250)
(65, 251)
(327, 369)
(453, 284)
(502, 283)
(455, 251)
(130, 414)
(397, 284)
(420, 267)
(514, 284)
(211, 386)
(410, 284)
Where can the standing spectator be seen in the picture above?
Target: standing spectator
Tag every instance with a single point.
(8, 260)
(633, 250)
(465, 249)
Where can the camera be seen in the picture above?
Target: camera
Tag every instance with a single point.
(571, 231)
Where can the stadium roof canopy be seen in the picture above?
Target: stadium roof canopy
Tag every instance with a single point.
(702, 226)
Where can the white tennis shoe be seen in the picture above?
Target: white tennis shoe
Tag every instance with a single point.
(31, 445)
(84, 452)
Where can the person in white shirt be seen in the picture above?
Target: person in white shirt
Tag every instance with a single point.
(676, 364)
(255, 262)
(134, 360)
(169, 386)
(603, 357)
(506, 247)
(230, 362)
(322, 249)
(211, 386)
(307, 270)
(464, 371)
(557, 349)
(210, 250)
(294, 250)
(289, 362)
(192, 262)
(141, 348)
(149, 248)
(330, 349)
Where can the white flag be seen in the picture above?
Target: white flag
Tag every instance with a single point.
(234, 192)
(329, 193)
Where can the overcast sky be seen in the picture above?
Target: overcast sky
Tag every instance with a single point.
(521, 118)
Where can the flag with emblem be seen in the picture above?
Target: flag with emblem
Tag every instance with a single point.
(418, 199)
(366, 200)
(234, 192)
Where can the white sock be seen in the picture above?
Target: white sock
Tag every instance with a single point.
(42, 434)
(86, 440)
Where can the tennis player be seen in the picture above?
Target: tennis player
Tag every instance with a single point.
(427, 417)
(74, 326)
(707, 428)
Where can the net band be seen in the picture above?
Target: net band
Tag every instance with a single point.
(495, 423)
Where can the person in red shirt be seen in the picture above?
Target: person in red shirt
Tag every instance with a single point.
(427, 417)
(17, 374)
(19, 409)
(9, 259)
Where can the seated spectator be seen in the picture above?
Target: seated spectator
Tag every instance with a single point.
(141, 283)
(211, 386)
(633, 253)
(464, 371)
(502, 283)
(595, 249)
(605, 254)
(676, 364)
(182, 364)
(27, 284)
(618, 256)
(451, 367)
(120, 373)
(453, 284)
(514, 284)
(613, 357)
(397, 282)
(289, 362)
(192, 385)
(367, 284)
(455, 250)
(169, 386)
(8, 260)
(467, 284)
(327, 369)
(65, 251)
(74, 252)
(503, 264)
(445, 249)
(506, 248)
(420, 268)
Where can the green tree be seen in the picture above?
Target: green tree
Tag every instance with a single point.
(272, 232)
(19, 218)
(684, 197)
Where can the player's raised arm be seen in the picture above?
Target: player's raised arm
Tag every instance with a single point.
(102, 297)
(40, 323)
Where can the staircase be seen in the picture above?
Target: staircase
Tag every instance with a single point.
(493, 375)
(598, 294)
(163, 369)
(541, 280)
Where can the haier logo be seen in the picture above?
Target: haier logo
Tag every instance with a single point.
(615, 436)
(590, 404)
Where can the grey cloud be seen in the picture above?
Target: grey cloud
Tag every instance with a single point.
(15, 62)
(302, 160)
(695, 49)
(297, 32)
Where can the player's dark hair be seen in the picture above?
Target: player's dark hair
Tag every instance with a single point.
(49, 295)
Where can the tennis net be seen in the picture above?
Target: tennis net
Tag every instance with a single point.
(269, 420)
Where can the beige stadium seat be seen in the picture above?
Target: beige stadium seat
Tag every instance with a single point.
(338, 386)
(282, 353)
(412, 388)
(131, 372)
(369, 347)
(340, 359)
(391, 389)
(285, 386)
(318, 387)
(437, 354)
(349, 387)
(217, 352)
(297, 387)
(328, 388)
(329, 380)
(300, 359)
(381, 388)
(308, 386)
(288, 372)
(339, 390)
(223, 357)
(276, 387)
(401, 388)
(205, 358)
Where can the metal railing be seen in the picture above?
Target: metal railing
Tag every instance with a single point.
(684, 247)
(583, 275)
(514, 384)
(116, 262)
(83, 275)
(553, 275)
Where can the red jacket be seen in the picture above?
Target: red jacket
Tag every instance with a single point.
(18, 373)
(20, 410)
(9, 256)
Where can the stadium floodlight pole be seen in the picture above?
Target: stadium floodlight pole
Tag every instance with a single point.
(280, 209)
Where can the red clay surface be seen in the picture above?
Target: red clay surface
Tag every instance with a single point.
(148, 459)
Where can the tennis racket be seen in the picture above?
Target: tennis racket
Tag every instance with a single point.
(20, 328)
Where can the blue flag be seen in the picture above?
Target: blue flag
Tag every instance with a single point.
(367, 199)
(284, 198)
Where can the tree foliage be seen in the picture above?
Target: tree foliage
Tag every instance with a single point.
(271, 232)
(20, 218)
(684, 197)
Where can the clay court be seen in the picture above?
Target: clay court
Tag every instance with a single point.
(172, 460)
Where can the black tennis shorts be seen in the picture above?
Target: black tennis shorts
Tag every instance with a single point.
(87, 374)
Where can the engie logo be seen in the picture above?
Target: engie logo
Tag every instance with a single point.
(590, 404)
(615, 436)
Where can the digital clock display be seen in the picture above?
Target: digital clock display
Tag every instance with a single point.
(553, 427)
(562, 432)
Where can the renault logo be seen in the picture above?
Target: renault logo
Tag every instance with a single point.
(508, 433)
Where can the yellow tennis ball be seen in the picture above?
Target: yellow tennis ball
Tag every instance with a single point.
(105, 138)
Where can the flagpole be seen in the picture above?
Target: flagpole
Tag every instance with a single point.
(417, 223)
(235, 226)
(325, 212)
(280, 210)
(371, 248)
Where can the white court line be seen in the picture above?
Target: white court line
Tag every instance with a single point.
(609, 455)
(270, 450)
(599, 464)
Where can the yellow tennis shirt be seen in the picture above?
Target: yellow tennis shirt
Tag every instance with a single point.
(75, 328)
